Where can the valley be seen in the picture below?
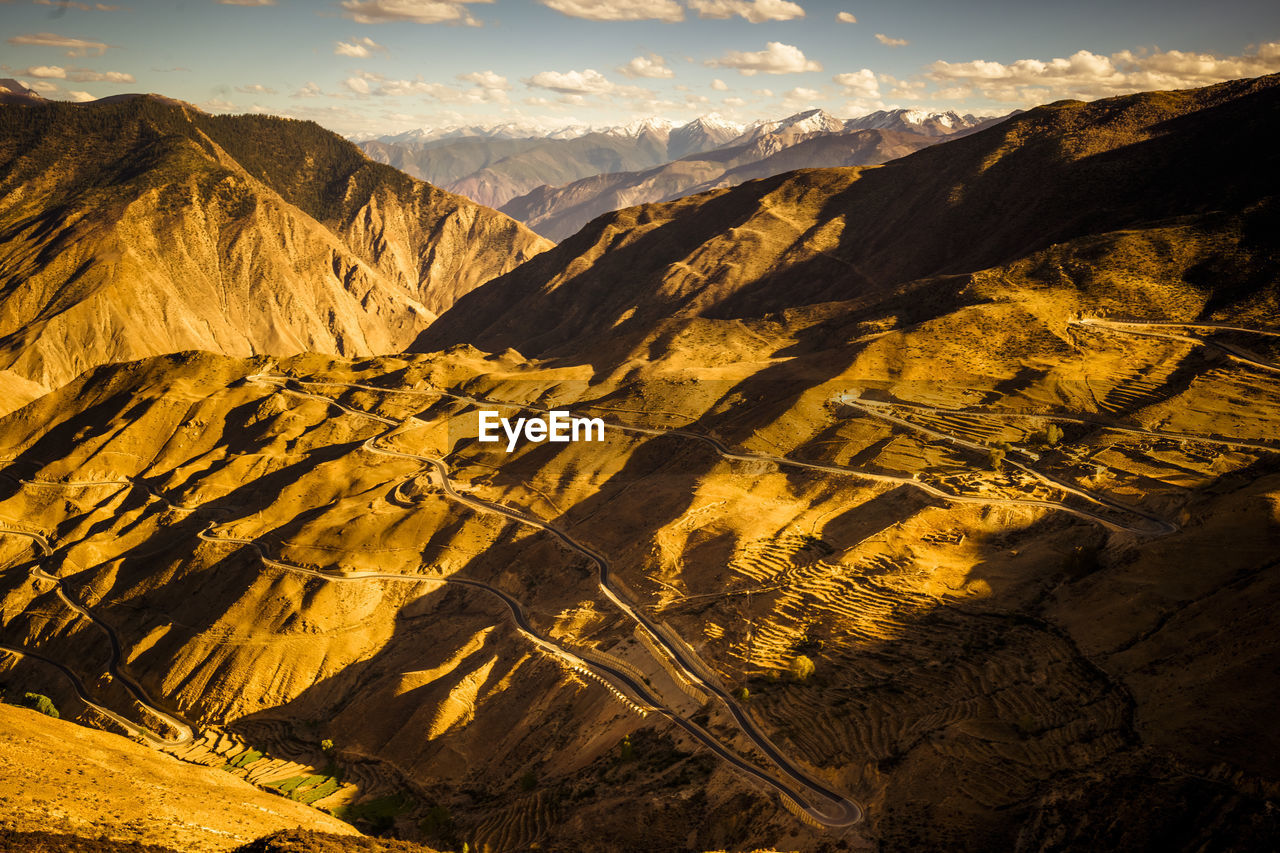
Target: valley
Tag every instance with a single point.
(935, 504)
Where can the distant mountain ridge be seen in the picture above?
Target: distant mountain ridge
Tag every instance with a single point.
(817, 236)
(498, 163)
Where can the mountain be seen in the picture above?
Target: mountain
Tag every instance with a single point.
(13, 92)
(905, 531)
(827, 235)
(139, 225)
(702, 134)
(493, 166)
(559, 161)
(801, 124)
(815, 139)
(917, 121)
(558, 212)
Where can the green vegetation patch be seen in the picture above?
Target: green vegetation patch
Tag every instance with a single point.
(378, 814)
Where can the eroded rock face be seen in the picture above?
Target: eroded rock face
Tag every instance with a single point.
(144, 226)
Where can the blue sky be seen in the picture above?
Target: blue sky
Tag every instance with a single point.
(375, 66)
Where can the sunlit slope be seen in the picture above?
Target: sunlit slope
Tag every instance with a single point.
(1020, 520)
(67, 779)
(144, 226)
(1055, 175)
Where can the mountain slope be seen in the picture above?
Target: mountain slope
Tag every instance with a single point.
(141, 225)
(818, 236)
(951, 547)
(558, 212)
(69, 779)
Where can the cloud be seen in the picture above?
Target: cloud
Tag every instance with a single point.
(486, 79)
(84, 75)
(44, 87)
(255, 89)
(755, 11)
(776, 58)
(415, 11)
(46, 71)
(734, 102)
(652, 65)
(311, 90)
(846, 18)
(246, 3)
(859, 84)
(1085, 75)
(80, 97)
(891, 42)
(801, 97)
(618, 10)
(74, 46)
(719, 85)
(588, 82)
(72, 4)
(369, 84)
(359, 48)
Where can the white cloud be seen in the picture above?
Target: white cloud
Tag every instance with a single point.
(359, 85)
(846, 18)
(83, 7)
(652, 65)
(734, 102)
(80, 97)
(218, 105)
(801, 97)
(84, 75)
(247, 3)
(311, 90)
(486, 79)
(414, 11)
(588, 82)
(46, 71)
(370, 84)
(359, 48)
(255, 89)
(755, 11)
(859, 84)
(618, 10)
(74, 46)
(719, 85)
(1086, 75)
(44, 87)
(776, 58)
(891, 42)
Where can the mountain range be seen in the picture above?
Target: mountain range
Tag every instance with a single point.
(936, 507)
(495, 166)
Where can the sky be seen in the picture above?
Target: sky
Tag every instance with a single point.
(369, 67)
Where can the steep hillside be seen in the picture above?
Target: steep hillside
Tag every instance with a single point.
(558, 212)
(1057, 173)
(71, 780)
(141, 225)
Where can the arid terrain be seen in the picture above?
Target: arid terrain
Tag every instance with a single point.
(936, 510)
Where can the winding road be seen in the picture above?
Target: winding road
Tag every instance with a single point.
(1234, 353)
(184, 733)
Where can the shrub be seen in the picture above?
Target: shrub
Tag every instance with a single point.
(41, 703)
(801, 667)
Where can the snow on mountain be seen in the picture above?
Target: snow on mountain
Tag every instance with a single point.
(918, 121)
